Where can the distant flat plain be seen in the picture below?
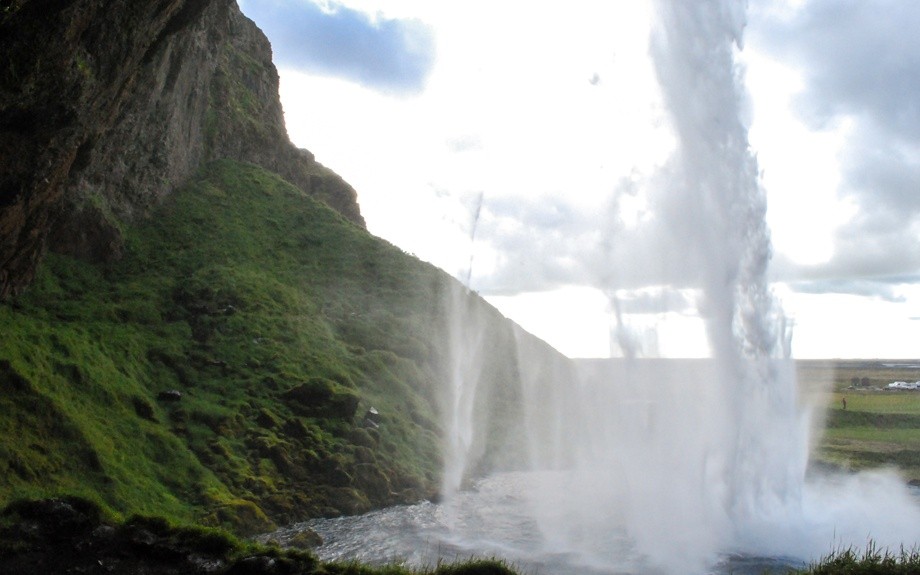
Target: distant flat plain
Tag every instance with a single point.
(877, 427)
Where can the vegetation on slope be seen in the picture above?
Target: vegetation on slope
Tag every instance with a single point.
(278, 321)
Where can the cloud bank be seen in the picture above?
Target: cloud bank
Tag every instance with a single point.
(860, 63)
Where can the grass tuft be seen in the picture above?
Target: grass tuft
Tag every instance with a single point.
(870, 561)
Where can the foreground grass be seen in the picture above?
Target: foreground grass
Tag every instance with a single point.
(872, 561)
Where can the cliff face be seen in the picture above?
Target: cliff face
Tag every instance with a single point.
(107, 106)
(208, 340)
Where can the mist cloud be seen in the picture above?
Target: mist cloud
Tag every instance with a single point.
(387, 55)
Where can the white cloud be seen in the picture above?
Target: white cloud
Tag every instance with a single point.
(800, 166)
(573, 319)
(832, 325)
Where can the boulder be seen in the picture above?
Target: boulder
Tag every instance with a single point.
(372, 418)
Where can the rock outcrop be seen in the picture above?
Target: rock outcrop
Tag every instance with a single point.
(107, 106)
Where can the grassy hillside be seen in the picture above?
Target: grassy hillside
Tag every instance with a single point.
(279, 322)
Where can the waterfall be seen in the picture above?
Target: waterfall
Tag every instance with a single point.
(684, 460)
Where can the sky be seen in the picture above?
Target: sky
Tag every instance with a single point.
(518, 146)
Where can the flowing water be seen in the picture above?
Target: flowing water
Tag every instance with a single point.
(493, 519)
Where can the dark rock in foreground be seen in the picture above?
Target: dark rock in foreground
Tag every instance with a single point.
(71, 535)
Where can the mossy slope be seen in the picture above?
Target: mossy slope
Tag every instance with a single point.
(280, 322)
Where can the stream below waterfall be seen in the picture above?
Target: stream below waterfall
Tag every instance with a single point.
(495, 519)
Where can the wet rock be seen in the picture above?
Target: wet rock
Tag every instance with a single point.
(204, 564)
(103, 532)
(142, 538)
(56, 519)
(70, 536)
(257, 565)
(170, 395)
(372, 418)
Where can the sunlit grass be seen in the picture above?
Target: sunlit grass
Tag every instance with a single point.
(907, 402)
(880, 438)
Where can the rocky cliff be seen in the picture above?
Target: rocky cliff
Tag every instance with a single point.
(107, 106)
